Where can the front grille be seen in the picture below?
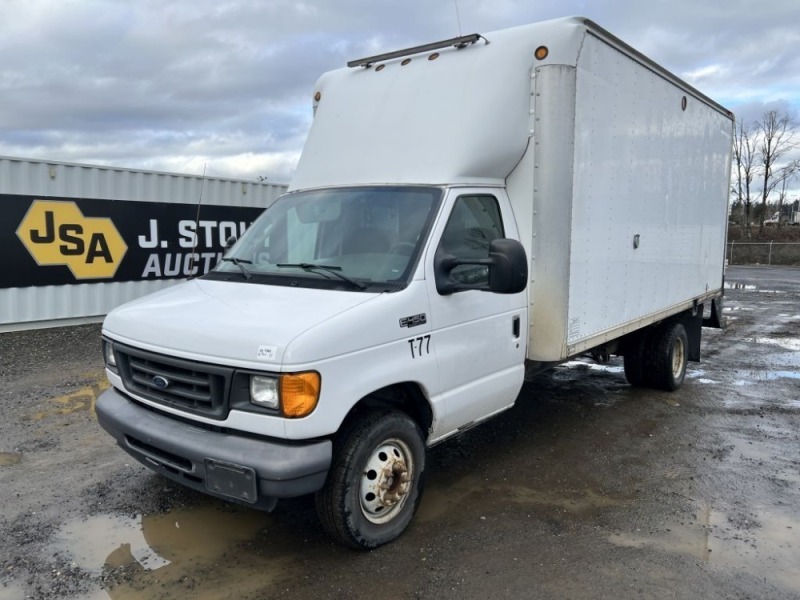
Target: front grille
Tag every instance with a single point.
(195, 387)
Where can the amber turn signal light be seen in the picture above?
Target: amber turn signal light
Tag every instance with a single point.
(299, 393)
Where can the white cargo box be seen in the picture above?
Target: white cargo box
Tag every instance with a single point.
(617, 170)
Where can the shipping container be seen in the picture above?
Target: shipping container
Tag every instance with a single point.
(78, 240)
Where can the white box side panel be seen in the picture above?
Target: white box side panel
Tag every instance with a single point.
(648, 166)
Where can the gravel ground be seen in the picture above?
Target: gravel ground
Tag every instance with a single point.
(588, 488)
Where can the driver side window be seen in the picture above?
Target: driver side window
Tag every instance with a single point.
(474, 222)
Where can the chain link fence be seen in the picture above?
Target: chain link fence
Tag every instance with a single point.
(764, 253)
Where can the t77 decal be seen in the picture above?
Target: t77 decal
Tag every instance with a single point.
(420, 346)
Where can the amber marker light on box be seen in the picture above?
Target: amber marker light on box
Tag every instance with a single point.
(299, 393)
(541, 53)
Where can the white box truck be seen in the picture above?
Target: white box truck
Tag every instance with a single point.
(461, 211)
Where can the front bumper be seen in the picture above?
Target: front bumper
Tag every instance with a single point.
(252, 471)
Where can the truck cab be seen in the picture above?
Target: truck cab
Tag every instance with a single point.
(338, 307)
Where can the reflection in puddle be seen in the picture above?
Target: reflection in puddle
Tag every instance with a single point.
(755, 377)
(732, 285)
(748, 287)
(787, 343)
(11, 591)
(91, 542)
(698, 375)
(175, 548)
(592, 366)
(766, 547)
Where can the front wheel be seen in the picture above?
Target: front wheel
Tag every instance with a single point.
(375, 482)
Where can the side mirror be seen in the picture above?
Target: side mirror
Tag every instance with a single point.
(508, 269)
(229, 242)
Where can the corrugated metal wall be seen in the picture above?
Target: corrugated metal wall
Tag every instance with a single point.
(42, 306)
(34, 177)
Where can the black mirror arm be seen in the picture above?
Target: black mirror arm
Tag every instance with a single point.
(446, 263)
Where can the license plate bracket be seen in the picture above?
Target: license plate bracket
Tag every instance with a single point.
(233, 481)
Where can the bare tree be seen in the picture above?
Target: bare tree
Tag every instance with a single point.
(776, 133)
(785, 175)
(743, 171)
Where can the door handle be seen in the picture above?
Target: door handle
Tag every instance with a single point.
(515, 326)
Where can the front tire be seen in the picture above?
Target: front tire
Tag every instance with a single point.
(375, 482)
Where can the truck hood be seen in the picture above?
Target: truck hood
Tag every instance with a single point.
(233, 323)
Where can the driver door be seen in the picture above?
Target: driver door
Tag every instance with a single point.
(479, 337)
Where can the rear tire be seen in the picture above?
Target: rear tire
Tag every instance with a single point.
(665, 356)
(375, 482)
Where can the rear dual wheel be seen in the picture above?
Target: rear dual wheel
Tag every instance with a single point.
(657, 358)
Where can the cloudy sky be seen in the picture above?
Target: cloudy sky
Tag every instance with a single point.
(176, 85)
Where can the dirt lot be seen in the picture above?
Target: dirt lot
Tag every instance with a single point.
(587, 489)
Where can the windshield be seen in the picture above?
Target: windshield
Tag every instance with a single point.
(344, 238)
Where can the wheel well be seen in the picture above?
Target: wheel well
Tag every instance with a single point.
(692, 322)
(406, 397)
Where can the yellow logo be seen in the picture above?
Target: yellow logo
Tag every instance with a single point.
(57, 233)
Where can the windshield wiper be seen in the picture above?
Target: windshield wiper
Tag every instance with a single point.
(238, 262)
(332, 269)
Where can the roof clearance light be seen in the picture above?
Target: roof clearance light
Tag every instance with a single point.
(405, 62)
(541, 53)
(459, 42)
(317, 96)
(433, 56)
(380, 67)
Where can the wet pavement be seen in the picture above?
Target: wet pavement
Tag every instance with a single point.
(588, 488)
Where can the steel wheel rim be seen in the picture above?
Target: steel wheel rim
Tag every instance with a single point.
(386, 481)
(678, 358)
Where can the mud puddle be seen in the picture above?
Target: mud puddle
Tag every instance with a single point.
(443, 500)
(8, 459)
(787, 343)
(11, 591)
(731, 285)
(198, 553)
(764, 545)
(593, 366)
(748, 287)
(700, 376)
(754, 377)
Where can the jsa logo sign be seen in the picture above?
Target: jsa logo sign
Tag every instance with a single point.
(57, 233)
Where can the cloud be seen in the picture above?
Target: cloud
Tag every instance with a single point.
(171, 85)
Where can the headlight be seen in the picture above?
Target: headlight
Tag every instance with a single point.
(108, 354)
(264, 391)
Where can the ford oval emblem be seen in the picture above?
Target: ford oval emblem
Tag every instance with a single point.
(160, 382)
